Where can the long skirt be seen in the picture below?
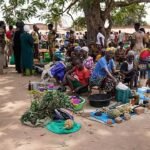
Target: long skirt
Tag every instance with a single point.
(105, 83)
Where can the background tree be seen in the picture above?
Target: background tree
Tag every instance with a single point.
(52, 13)
(20, 10)
(79, 23)
(96, 12)
(127, 16)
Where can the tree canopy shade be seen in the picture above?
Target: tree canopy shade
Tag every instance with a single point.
(124, 16)
(79, 23)
(127, 16)
(14, 10)
(96, 12)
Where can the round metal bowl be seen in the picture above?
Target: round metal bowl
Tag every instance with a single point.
(100, 100)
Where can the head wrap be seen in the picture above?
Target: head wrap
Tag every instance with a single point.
(77, 48)
(85, 48)
(27, 28)
(110, 49)
(131, 53)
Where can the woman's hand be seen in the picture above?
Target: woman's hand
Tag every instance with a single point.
(115, 81)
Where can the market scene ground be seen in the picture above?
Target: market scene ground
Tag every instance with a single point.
(131, 135)
(84, 86)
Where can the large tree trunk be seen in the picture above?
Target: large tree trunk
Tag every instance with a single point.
(96, 18)
(93, 19)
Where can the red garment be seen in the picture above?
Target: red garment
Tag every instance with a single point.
(145, 54)
(9, 34)
(82, 75)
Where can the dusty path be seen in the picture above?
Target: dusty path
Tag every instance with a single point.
(14, 99)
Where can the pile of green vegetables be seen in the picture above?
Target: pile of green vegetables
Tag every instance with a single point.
(43, 106)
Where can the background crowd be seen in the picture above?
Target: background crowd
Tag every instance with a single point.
(101, 63)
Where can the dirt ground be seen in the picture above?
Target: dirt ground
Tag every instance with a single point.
(14, 100)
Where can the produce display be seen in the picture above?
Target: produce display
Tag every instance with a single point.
(118, 120)
(126, 108)
(127, 116)
(75, 100)
(43, 106)
(69, 124)
(113, 113)
(139, 110)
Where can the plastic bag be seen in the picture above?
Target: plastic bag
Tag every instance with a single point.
(121, 86)
(12, 60)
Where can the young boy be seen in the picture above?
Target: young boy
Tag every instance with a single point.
(78, 78)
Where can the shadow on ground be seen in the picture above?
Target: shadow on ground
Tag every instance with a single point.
(14, 97)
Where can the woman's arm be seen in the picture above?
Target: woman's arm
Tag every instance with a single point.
(69, 72)
(109, 74)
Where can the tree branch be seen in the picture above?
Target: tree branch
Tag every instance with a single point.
(71, 4)
(70, 15)
(129, 2)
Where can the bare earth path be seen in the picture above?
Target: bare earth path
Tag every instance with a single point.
(14, 100)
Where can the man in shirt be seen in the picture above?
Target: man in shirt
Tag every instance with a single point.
(51, 39)
(100, 39)
(35, 36)
(112, 37)
(120, 37)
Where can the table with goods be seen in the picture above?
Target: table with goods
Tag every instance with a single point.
(56, 111)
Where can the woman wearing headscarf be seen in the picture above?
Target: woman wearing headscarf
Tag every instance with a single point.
(129, 70)
(104, 75)
(87, 60)
(17, 45)
(27, 51)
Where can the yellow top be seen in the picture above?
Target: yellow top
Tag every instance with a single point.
(51, 36)
(35, 37)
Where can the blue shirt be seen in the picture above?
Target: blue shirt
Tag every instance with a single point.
(100, 65)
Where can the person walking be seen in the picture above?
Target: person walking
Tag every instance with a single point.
(26, 51)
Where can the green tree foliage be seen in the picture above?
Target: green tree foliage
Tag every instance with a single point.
(52, 12)
(20, 10)
(96, 12)
(79, 23)
(126, 16)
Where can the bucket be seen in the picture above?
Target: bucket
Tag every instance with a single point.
(123, 95)
(79, 106)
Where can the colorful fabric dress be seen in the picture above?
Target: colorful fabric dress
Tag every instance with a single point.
(89, 64)
(27, 51)
(99, 76)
